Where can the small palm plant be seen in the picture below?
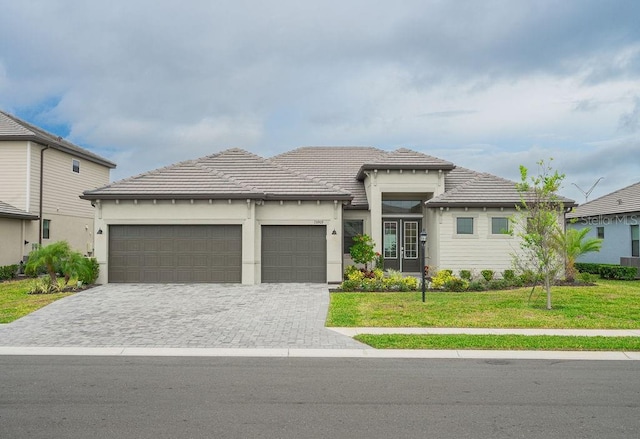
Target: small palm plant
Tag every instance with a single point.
(57, 258)
(573, 244)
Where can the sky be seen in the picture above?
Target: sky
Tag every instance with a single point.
(488, 85)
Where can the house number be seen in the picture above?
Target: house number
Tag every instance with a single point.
(318, 222)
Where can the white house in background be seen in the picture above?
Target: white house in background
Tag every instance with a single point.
(237, 217)
(615, 218)
(41, 179)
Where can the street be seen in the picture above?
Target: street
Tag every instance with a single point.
(182, 397)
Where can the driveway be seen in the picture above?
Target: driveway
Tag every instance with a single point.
(183, 316)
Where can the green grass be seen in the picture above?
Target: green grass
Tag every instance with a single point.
(501, 342)
(608, 305)
(16, 303)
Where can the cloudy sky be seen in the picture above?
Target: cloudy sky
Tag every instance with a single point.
(486, 84)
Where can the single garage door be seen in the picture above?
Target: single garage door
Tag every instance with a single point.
(180, 253)
(294, 254)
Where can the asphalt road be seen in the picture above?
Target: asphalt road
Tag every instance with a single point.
(156, 397)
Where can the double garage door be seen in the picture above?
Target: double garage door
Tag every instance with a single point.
(213, 253)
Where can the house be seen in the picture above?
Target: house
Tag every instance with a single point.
(614, 218)
(42, 177)
(237, 217)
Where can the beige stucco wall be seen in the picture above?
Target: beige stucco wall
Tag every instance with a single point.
(476, 252)
(246, 213)
(11, 241)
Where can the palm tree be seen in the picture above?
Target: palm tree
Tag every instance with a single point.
(573, 244)
(57, 258)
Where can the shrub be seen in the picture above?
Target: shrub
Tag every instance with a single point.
(456, 284)
(465, 274)
(357, 276)
(528, 277)
(350, 285)
(477, 285)
(618, 272)
(487, 274)
(89, 274)
(587, 278)
(378, 273)
(8, 272)
(349, 269)
(509, 275)
(409, 284)
(498, 284)
(587, 267)
(441, 278)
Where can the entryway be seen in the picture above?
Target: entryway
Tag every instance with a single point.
(401, 243)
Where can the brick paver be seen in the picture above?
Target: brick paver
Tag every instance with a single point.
(192, 316)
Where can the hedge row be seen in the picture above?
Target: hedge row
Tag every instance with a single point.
(8, 272)
(608, 271)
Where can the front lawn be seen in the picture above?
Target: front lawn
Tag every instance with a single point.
(608, 305)
(15, 302)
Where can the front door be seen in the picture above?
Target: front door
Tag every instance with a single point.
(400, 248)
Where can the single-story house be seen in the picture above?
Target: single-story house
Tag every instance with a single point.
(614, 218)
(237, 217)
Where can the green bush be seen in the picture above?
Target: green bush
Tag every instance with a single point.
(441, 278)
(465, 274)
(618, 272)
(349, 269)
(89, 274)
(8, 272)
(350, 285)
(409, 284)
(509, 275)
(487, 274)
(456, 284)
(587, 278)
(498, 284)
(477, 285)
(587, 267)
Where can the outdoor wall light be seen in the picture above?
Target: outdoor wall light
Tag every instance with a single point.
(99, 232)
(26, 242)
(334, 232)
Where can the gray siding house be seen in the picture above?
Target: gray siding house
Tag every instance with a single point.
(615, 218)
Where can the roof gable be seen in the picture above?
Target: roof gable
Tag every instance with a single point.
(623, 200)
(404, 158)
(13, 128)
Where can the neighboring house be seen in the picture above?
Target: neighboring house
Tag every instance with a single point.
(41, 179)
(237, 217)
(615, 218)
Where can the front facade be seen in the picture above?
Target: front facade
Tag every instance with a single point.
(41, 181)
(614, 218)
(237, 217)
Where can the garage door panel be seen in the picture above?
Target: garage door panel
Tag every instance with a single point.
(294, 254)
(166, 254)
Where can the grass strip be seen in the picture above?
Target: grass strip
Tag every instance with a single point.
(15, 302)
(607, 305)
(500, 342)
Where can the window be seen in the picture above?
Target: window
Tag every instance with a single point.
(46, 228)
(75, 164)
(411, 239)
(635, 241)
(390, 239)
(499, 225)
(600, 231)
(351, 228)
(464, 226)
(395, 207)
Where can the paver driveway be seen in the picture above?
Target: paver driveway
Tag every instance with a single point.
(193, 315)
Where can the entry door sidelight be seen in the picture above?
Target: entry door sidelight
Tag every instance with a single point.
(400, 250)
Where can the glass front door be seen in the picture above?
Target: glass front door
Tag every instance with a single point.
(401, 241)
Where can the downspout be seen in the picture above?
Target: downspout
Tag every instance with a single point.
(41, 197)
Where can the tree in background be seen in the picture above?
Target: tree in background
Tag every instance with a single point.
(541, 216)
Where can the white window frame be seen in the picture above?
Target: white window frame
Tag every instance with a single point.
(74, 167)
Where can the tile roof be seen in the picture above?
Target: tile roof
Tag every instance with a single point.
(482, 189)
(338, 164)
(233, 173)
(9, 211)
(624, 200)
(13, 128)
(404, 158)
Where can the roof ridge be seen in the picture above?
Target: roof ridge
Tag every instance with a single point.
(225, 175)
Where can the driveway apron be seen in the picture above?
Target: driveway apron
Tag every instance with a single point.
(183, 316)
